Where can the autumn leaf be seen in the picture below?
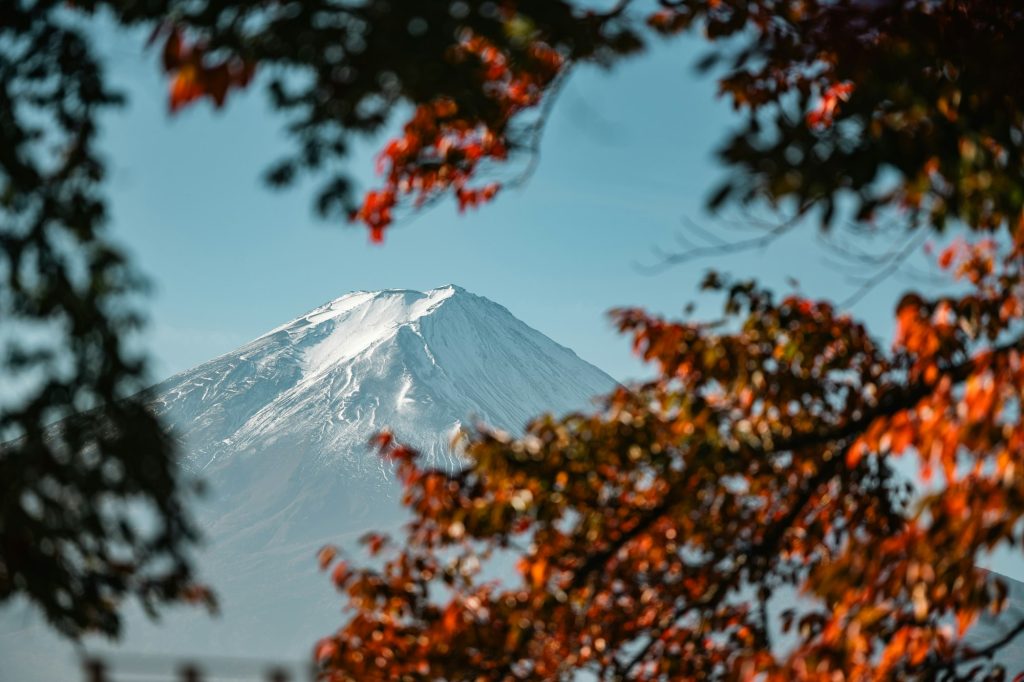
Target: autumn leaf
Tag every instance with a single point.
(326, 556)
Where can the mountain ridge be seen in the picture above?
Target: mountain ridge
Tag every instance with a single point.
(330, 373)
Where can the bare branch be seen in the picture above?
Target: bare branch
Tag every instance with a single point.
(886, 270)
(720, 247)
(538, 126)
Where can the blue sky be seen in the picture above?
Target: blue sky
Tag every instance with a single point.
(627, 158)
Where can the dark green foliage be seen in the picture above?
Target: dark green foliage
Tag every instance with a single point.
(82, 462)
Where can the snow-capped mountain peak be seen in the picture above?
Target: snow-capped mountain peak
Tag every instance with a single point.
(419, 363)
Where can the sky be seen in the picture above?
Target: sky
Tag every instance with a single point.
(627, 163)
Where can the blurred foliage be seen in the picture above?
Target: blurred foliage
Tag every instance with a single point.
(938, 137)
(467, 69)
(90, 498)
(895, 103)
(738, 518)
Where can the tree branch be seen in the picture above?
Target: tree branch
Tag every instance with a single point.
(667, 260)
(891, 403)
(765, 549)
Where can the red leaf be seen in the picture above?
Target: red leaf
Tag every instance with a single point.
(326, 556)
(340, 574)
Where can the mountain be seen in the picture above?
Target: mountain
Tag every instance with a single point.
(419, 362)
(278, 430)
(280, 426)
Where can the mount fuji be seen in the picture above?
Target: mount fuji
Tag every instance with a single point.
(279, 429)
(419, 363)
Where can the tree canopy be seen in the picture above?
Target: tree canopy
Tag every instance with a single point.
(650, 536)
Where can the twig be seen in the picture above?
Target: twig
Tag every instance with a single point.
(667, 260)
(539, 125)
(883, 273)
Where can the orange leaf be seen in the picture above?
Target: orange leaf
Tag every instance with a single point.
(185, 87)
(964, 620)
(326, 649)
(340, 574)
(326, 556)
(855, 452)
(450, 620)
(538, 572)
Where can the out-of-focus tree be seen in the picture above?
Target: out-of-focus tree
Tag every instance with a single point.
(889, 102)
(90, 497)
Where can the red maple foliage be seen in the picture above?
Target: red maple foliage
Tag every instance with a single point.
(651, 537)
(194, 74)
(823, 115)
(441, 151)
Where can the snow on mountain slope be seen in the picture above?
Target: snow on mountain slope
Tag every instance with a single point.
(419, 363)
(280, 427)
(279, 431)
